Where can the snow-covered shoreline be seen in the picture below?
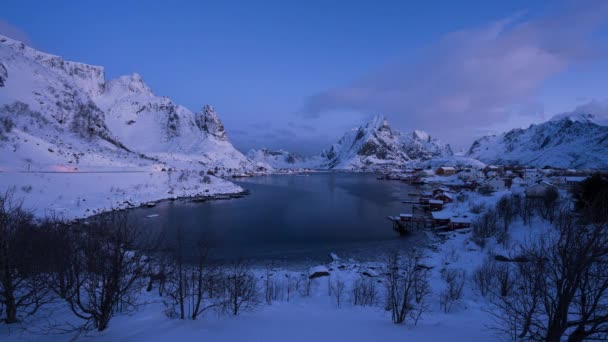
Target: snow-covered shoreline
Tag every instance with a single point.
(77, 195)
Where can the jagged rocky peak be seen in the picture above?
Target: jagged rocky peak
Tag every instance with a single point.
(421, 136)
(208, 121)
(133, 83)
(3, 75)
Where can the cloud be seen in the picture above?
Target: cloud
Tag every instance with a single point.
(473, 78)
(597, 108)
(11, 31)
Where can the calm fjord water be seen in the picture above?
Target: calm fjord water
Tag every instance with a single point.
(293, 218)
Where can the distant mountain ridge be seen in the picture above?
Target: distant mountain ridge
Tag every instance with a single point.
(372, 146)
(566, 141)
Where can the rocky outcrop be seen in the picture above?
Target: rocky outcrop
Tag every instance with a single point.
(210, 123)
(3, 75)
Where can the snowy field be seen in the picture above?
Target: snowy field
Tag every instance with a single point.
(73, 195)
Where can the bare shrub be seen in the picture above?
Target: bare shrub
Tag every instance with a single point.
(293, 285)
(190, 285)
(484, 227)
(454, 279)
(476, 208)
(23, 277)
(240, 288)
(105, 271)
(483, 277)
(365, 292)
(407, 288)
(338, 287)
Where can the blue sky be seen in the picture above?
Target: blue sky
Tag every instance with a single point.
(296, 74)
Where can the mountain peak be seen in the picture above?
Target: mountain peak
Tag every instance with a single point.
(378, 123)
(575, 117)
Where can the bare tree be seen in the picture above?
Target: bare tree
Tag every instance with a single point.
(338, 286)
(192, 284)
(563, 289)
(454, 279)
(407, 288)
(23, 287)
(549, 204)
(106, 271)
(484, 227)
(240, 287)
(365, 292)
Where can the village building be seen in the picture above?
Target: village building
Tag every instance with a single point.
(538, 190)
(405, 217)
(460, 222)
(446, 197)
(435, 205)
(495, 183)
(440, 218)
(446, 171)
(532, 174)
(438, 191)
(493, 170)
(573, 181)
(518, 182)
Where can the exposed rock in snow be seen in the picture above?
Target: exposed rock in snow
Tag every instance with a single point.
(3, 75)
(209, 122)
(317, 272)
(571, 141)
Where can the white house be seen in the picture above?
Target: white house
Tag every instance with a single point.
(495, 183)
(572, 181)
(518, 182)
(538, 190)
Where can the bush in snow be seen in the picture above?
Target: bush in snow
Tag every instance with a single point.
(484, 227)
(337, 288)
(105, 273)
(407, 288)
(493, 278)
(23, 280)
(365, 292)
(192, 286)
(454, 279)
(240, 288)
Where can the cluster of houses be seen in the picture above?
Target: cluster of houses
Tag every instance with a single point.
(533, 183)
(496, 178)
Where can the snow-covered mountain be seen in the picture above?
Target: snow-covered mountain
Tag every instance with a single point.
(57, 114)
(376, 145)
(566, 141)
(279, 159)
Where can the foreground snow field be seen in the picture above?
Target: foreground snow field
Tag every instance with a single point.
(73, 195)
(313, 318)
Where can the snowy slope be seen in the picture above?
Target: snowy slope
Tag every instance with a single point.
(66, 118)
(282, 159)
(573, 141)
(375, 145)
(58, 114)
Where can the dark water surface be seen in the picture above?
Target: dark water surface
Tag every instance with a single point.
(293, 218)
